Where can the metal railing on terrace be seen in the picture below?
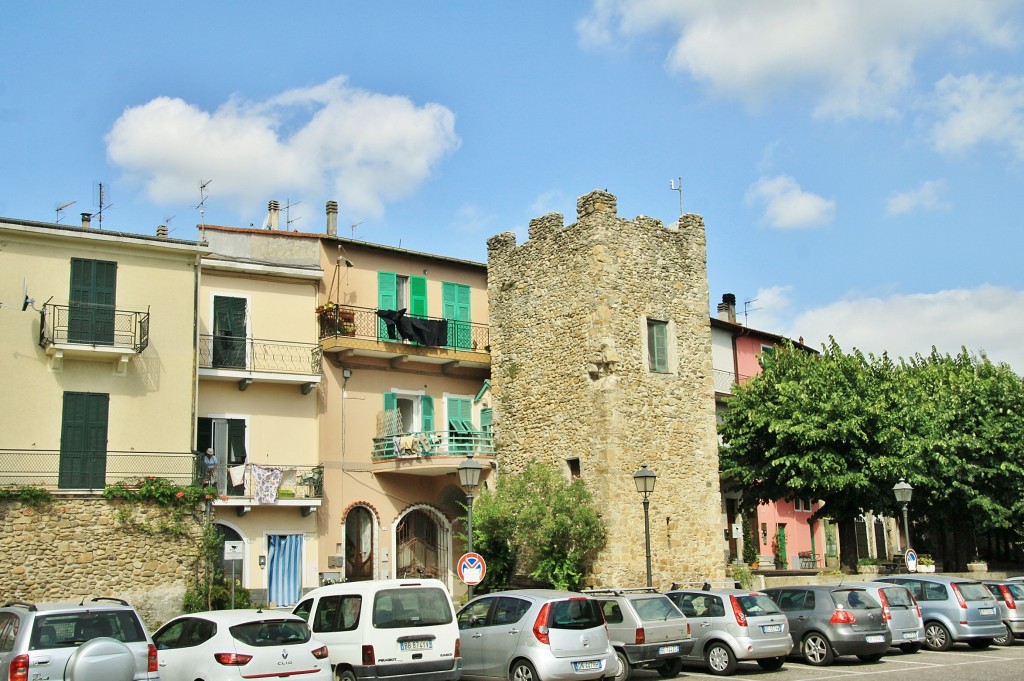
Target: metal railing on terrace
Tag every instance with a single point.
(89, 324)
(254, 354)
(413, 445)
(363, 322)
(92, 470)
(726, 380)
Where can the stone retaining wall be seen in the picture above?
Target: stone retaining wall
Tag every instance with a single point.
(80, 547)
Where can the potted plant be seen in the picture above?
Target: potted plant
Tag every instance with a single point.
(749, 548)
(978, 564)
(925, 563)
(867, 566)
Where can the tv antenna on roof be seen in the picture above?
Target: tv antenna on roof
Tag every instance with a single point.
(672, 185)
(103, 205)
(747, 308)
(353, 226)
(287, 212)
(62, 207)
(202, 202)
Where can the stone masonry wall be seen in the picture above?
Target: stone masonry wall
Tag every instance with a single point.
(72, 548)
(568, 314)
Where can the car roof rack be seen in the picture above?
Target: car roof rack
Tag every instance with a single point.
(106, 598)
(622, 592)
(20, 604)
(706, 586)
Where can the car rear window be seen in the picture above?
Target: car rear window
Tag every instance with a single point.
(271, 633)
(974, 591)
(855, 599)
(411, 607)
(575, 613)
(754, 605)
(64, 630)
(1016, 590)
(658, 608)
(898, 596)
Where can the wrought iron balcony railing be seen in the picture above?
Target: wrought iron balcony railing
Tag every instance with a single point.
(265, 483)
(249, 354)
(363, 322)
(437, 443)
(97, 325)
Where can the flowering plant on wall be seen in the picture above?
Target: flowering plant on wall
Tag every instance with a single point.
(329, 305)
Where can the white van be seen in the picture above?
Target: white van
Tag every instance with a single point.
(393, 629)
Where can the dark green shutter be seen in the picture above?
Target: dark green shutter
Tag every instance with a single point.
(455, 308)
(417, 297)
(387, 299)
(236, 441)
(229, 333)
(92, 301)
(427, 413)
(83, 441)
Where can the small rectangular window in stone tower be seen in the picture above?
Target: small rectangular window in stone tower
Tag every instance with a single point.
(574, 468)
(657, 346)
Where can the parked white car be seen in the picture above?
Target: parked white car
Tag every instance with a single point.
(251, 644)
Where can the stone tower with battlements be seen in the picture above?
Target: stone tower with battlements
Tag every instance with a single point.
(576, 313)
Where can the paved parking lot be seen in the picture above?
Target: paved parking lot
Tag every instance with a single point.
(959, 664)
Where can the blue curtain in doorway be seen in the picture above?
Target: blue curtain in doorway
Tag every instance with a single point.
(284, 568)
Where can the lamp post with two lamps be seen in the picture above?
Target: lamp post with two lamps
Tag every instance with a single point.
(904, 492)
(645, 479)
(469, 478)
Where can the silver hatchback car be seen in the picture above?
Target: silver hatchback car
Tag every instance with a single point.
(535, 635)
(900, 611)
(732, 625)
(1010, 599)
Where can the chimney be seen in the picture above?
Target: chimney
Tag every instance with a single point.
(273, 212)
(727, 308)
(161, 231)
(86, 220)
(332, 218)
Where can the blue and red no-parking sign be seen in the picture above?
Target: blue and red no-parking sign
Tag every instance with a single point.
(472, 568)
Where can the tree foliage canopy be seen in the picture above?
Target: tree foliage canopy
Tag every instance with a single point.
(538, 523)
(844, 428)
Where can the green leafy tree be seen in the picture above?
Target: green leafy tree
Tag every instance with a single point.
(538, 523)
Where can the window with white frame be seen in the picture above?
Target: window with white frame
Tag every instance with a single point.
(802, 505)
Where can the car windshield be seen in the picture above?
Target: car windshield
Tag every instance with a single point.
(657, 609)
(411, 607)
(855, 599)
(575, 613)
(271, 633)
(754, 605)
(68, 629)
(974, 591)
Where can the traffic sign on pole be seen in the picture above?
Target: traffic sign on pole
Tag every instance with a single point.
(911, 559)
(472, 568)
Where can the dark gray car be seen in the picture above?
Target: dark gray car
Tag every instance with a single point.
(827, 621)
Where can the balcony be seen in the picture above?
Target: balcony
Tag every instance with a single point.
(725, 380)
(246, 486)
(358, 331)
(92, 332)
(249, 360)
(433, 453)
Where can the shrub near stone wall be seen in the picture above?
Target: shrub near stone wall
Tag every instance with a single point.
(85, 547)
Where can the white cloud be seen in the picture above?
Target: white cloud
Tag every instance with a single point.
(328, 141)
(928, 196)
(987, 319)
(788, 206)
(855, 56)
(977, 110)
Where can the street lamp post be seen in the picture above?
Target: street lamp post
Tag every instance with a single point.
(644, 479)
(469, 478)
(903, 492)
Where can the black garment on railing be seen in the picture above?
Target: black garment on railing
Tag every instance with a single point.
(424, 331)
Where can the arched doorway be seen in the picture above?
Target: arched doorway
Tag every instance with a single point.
(359, 555)
(229, 568)
(423, 545)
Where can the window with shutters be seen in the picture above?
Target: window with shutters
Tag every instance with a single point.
(657, 346)
(229, 332)
(460, 425)
(400, 292)
(83, 441)
(455, 308)
(92, 300)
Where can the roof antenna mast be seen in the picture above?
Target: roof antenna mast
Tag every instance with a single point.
(677, 186)
(103, 205)
(202, 204)
(62, 207)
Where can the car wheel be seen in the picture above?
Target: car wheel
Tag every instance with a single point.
(980, 643)
(817, 650)
(1006, 639)
(720, 659)
(625, 670)
(771, 664)
(522, 670)
(671, 668)
(347, 675)
(910, 648)
(873, 657)
(936, 637)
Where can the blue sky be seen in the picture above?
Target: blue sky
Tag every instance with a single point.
(859, 164)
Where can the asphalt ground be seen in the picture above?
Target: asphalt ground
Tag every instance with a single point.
(960, 663)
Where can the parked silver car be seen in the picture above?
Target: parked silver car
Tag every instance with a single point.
(535, 635)
(647, 630)
(831, 620)
(955, 609)
(1010, 599)
(900, 611)
(732, 625)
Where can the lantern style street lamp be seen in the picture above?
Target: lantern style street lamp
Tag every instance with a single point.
(469, 478)
(904, 492)
(645, 479)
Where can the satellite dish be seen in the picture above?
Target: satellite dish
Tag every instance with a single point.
(26, 301)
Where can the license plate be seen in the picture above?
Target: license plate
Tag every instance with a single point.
(771, 628)
(416, 645)
(910, 635)
(587, 665)
(668, 650)
(875, 639)
(987, 611)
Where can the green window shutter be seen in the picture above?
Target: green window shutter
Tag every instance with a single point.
(418, 296)
(387, 299)
(486, 419)
(657, 346)
(83, 442)
(92, 301)
(229, 332)
(427, 413)
(460, 425)
(455, 308)
(390, 401)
